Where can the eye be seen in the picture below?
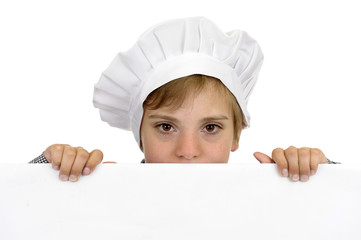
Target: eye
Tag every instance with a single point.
(165, 128)
(211, 128)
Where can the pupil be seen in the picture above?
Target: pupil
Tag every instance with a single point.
(210, 128)
(166, 127)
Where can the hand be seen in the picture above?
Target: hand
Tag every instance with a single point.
(72, 161)
(295, 162)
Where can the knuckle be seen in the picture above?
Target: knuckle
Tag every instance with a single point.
(53, 154)
(83, 154)
(316, 152)
(277, 151)
(291, 151)
(70, 152)
(56, 148)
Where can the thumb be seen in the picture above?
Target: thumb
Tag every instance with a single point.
(262, 158)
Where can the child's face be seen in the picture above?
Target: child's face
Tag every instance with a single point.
(201, 131)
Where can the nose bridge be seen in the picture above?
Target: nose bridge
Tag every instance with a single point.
(188, 145)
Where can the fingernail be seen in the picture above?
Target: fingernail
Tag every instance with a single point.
(285, 172)
(295, 177)
(304, 178)
(86, 171)
(56, 167)
(312, 172)
(63, 177)
(73, 178)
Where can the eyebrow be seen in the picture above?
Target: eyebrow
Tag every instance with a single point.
(166, 117)
(215, 118)
(206, 119)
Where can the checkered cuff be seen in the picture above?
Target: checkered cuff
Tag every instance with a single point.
(332, 162)
(40, 159)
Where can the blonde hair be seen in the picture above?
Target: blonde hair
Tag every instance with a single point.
(174, 93)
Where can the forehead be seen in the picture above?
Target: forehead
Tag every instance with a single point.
(208, 101)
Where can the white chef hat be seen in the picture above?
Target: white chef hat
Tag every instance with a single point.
(172, 50)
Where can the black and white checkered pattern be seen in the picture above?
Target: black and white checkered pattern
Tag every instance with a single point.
(332, 162)
(40, 159)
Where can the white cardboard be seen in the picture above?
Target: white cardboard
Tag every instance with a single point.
(179, 201)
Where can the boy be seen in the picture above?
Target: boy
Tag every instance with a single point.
(183, 90)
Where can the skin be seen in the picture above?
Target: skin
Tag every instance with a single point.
(295, 163)
(200, 131)
(72, 161)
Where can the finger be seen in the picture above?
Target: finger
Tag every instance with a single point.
(54, 154)
(96, 157)
(291, 155)
(262, 158)
(304, 158)
(81, 159)
(317, 157)
(67, 161)
(323, 157)
(278, 155)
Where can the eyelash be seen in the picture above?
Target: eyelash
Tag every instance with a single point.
(162, 131)
(216, 129)
(160, 128)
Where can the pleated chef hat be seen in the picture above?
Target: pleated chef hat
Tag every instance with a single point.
(171, 50)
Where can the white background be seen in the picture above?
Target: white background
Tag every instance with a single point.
(53, 52)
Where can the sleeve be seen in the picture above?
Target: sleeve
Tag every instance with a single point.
(40, 159)
(332, 162)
